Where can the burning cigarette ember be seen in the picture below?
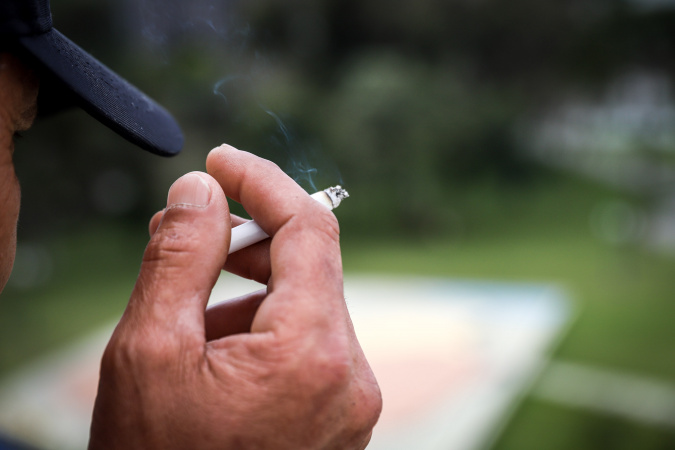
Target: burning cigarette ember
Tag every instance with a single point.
(250, 232)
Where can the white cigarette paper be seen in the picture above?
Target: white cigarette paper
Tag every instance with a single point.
(249, 233)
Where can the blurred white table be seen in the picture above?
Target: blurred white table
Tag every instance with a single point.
(452, 358)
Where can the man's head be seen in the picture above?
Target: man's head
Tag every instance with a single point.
(31, 50)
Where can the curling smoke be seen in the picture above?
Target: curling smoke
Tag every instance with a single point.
(167, 22)
(299, 167)
(216, 26)
(303, 162)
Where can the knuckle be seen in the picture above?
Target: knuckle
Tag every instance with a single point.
(112, 359)
(131, 354)
(118, 356)
(327, 368)
(332, 369)
(261, 167)
(216, 160)
(327, 233)
(364, 409)
(372, 402)
(266, 165)
(328, 223)
(212, 156)
(319, 221)
(170, 243)
(319, 365)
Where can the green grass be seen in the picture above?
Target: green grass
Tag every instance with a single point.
(540, 425)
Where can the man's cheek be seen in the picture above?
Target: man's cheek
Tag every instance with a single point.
(10, 198)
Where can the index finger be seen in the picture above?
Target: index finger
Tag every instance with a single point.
(304, 252)
(269, 195)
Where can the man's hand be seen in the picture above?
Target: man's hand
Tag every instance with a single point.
(280, 369)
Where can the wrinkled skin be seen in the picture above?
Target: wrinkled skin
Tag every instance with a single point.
(278, 369)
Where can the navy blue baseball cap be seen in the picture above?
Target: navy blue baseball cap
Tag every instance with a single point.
(70, 75)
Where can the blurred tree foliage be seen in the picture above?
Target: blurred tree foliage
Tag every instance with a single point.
(409, 104)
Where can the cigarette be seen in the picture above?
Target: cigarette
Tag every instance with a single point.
(249, 233)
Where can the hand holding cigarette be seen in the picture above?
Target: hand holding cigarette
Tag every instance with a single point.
(276, 369)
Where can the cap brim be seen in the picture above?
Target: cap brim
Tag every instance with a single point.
(105, 95)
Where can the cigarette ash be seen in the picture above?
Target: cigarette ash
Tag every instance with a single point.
(336, 194)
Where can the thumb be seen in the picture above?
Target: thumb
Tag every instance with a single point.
(183, 259)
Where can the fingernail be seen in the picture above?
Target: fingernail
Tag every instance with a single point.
(189, 190)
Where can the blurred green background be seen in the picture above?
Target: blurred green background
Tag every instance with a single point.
(521, 140)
